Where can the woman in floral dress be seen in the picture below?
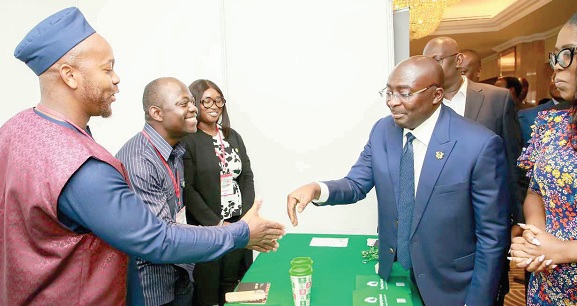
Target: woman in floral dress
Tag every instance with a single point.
(548, 247)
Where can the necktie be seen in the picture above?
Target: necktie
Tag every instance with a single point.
(406, 203)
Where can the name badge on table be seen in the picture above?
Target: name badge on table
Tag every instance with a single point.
(181, 216)
(226, 185)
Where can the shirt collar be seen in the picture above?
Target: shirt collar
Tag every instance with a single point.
(424, 131)
(463, 88)
(161, 145)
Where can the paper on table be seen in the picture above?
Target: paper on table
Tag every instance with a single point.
(330, 242)
(372, 241)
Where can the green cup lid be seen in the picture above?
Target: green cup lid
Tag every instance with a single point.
(301, 270)
(301, 260)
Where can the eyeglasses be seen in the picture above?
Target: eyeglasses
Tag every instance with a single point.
(564, 57)
(208, 102)
(402, 96)
(440, 59)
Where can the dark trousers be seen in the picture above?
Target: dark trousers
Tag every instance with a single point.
(215, 278)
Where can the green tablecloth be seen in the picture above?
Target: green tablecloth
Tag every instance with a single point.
(334, 270)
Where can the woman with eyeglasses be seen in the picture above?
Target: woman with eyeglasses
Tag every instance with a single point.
(219, 189)
(548, 247)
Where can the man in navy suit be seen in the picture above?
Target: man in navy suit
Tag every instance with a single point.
(494, 108)
(459, 229)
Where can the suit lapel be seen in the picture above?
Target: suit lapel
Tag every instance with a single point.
(394, 143)
(474, 101)
(438, 152)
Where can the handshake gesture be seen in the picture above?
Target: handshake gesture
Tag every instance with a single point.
(263, 233)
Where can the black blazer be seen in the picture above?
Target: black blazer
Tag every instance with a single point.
(202, 178)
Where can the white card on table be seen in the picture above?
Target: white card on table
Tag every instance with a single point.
(330, 242)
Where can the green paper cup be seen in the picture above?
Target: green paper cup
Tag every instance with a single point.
(301, 281)
(301, 261)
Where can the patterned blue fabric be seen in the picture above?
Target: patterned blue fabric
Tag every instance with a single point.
(406, 202)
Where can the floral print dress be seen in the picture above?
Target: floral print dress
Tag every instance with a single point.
(551, 164)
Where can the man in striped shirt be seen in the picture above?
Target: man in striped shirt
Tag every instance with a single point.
(153, 160)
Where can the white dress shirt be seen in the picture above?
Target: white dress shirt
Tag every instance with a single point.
(460, 98)
(422, 134)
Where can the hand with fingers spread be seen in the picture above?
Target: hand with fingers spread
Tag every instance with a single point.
(263, 233)
(300, 198)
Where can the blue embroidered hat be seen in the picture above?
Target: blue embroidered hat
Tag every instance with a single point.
(48, 41)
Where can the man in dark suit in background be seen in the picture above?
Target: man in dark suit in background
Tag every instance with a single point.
(491, 107)
(515, 88)
(527, 116)
(471, 67)
(447, 184)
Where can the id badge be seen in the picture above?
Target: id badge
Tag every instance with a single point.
(181, 216)
(226, 185)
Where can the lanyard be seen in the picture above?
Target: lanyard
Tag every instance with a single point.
(58, 115)
(222, 152)
(174, 180)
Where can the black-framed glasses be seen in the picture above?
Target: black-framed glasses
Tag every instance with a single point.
(564, 57)
(440, 59)
(403, 96)
(208, 102)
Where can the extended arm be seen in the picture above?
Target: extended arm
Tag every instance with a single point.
(350, 189)
(98, 199)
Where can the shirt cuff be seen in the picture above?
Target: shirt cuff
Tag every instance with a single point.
(323, 196)
(240, 233)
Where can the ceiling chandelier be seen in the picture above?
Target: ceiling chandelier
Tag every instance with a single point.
(425, 15)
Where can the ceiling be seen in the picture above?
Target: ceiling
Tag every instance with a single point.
(490, 26)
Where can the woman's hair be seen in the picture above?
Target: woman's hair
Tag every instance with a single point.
(197, 89)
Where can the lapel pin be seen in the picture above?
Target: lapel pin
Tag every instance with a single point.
(439, 155)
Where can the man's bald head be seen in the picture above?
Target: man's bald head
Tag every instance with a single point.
(420, 68)
(414, 91)
(155, 93)
(445, 44)
(445, 51)
(471, 66)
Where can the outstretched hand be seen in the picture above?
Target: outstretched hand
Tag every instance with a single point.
(300, 198)
(263, 233)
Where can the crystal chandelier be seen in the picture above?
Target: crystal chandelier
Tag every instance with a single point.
(425, 15)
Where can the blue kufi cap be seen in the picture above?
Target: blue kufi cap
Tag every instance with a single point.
(52, 38)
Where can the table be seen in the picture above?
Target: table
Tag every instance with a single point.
(334, 270)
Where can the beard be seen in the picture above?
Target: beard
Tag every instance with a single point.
(95, 95)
